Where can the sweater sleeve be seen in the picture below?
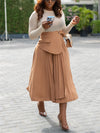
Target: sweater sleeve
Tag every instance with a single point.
(67, 29)
(33, 30)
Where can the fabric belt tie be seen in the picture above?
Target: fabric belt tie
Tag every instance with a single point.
(53, 43)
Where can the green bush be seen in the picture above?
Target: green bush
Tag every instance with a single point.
(86, 15)
(2, 26)
(95, 26)
(18, 12)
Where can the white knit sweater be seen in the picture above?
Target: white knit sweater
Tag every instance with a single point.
(35, 27)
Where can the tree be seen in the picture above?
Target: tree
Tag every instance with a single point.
(99, 8)
(18, 12)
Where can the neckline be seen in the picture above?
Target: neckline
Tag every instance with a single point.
(48, 10)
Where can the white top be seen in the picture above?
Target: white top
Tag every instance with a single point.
(36, 28)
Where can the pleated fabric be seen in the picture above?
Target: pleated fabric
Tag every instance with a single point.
(50, 76)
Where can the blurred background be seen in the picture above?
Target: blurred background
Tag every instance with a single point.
(18, 13)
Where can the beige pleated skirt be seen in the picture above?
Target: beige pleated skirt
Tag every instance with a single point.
(50, 76)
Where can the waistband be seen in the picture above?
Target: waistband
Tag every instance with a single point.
(53, 32)
(52, 42)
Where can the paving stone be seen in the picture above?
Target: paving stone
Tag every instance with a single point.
(18, 114)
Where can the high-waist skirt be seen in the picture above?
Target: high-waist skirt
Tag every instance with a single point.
(50, 77)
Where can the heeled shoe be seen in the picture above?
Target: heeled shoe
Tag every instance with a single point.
(41, 113)
(64, 126)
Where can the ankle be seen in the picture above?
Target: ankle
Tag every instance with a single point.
(62, 116)
(63, 121)
(41, 102)
(41, 106)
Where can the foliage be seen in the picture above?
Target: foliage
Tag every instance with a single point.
(86, 15)
(18, 12)
(69, 14)
(77, 0)
(95, 26)
(1, 16)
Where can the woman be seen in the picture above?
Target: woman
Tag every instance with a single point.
(50, 76)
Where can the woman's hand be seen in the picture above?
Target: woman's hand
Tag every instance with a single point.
(47, 24)
(75, 20)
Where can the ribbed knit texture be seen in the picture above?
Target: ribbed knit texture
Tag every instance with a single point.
(35, 27)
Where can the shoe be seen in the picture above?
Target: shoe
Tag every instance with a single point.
(64, 126)
(41, 113)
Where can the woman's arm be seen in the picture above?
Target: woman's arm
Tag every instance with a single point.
(34, 31)
(67, 28)
(73, 22)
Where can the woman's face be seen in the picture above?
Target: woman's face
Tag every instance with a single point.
(49, 4)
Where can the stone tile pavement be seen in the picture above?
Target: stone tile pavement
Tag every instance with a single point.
(18, 114)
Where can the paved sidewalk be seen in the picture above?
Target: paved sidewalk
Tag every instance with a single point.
(18, 114)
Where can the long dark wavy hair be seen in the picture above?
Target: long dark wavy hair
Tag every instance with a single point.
(41, 5)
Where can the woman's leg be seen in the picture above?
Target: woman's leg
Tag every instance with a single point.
(62, 115)
(41, 108)
(62, 108)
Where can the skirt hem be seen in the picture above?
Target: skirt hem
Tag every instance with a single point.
(55, 101)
